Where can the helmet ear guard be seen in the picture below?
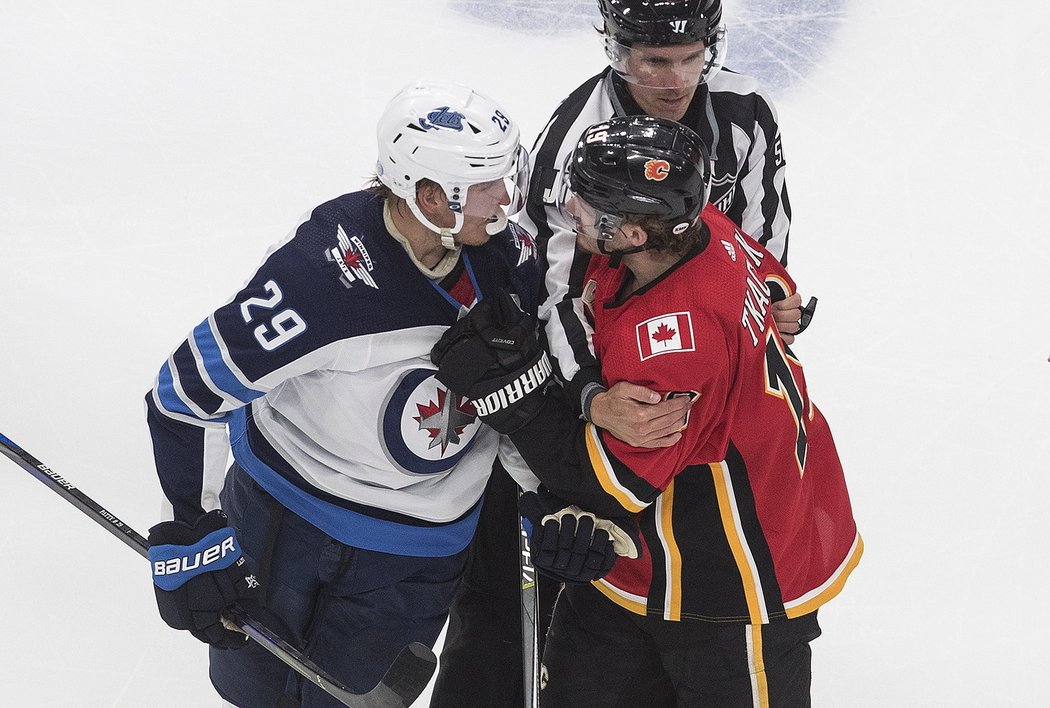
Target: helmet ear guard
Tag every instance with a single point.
(459, 139)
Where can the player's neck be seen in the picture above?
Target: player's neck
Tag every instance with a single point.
(647, 266)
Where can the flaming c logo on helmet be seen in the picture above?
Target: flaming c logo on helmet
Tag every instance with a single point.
(657, 170)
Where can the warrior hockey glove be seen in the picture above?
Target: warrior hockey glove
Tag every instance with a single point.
(493, 357)
(573, 545)
(199, 571)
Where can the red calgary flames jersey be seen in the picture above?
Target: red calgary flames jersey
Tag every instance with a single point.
(747, 518)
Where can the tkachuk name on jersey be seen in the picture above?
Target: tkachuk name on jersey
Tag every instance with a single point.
(353, 260)
(757, 296)
(200, 559)
(515, 390)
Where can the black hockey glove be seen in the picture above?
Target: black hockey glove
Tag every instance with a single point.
(199, 571)
(573, 545)
(493, 357)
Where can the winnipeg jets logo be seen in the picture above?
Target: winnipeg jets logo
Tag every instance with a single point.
(353, 260)
(657, 170)
(730, 250)
(427, 429)
(442, 118)
(445, 419)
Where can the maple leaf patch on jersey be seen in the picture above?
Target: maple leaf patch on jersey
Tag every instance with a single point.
(665, 334)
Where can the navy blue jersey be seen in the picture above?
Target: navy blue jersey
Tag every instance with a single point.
(319, 371)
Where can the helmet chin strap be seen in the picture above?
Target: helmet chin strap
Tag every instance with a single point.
(447, 235)
(616, 256)
(497, 224)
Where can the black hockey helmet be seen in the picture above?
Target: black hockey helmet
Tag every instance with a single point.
(637, 165)
(661, 22)
(647, 26)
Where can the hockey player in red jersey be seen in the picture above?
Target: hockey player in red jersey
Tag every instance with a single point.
(745, 524)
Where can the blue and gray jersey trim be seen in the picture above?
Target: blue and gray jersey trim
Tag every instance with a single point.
(216, 367)
(348, 526)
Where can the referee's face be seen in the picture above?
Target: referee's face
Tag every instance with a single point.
(663, 79)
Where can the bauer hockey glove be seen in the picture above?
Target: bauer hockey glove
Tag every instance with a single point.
(199, 571)
(573, 545)
(493, 357)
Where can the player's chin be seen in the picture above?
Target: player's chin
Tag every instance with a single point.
(474, 233)
(587, 244)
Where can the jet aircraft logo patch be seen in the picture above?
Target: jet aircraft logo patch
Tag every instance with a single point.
(355, 265)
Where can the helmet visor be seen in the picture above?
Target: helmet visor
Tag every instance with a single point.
(584, 218)
(498, 198)
(588, 221)
(667, 66)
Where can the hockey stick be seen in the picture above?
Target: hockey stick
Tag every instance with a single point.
(403, 682)
(530, 617)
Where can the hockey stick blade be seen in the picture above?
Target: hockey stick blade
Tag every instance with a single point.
(403, 682)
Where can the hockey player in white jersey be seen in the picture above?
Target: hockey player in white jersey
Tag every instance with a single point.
(667, 60)
(357, 478)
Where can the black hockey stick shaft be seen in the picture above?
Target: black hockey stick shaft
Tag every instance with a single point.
(530, 618)
(400, 687)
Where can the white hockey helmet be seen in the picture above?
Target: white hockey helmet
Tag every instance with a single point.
(454, 136)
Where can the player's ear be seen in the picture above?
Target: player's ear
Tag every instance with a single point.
(636, 235)
(430, 198)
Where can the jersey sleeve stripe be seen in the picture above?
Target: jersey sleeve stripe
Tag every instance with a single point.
(189, 382)
(745, 561)
(603, 469)
(170, 395)
(219, 366)
(228, 402)
(184, 415)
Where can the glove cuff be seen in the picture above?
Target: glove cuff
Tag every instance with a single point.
(174, 565)
(510, 402)
(509, 390)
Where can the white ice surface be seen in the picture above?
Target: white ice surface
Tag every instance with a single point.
(149, 152)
